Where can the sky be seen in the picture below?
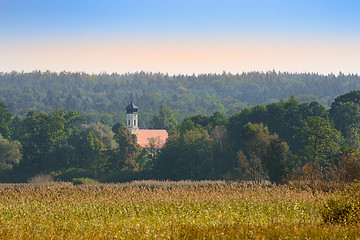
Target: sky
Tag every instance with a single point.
(180, 36)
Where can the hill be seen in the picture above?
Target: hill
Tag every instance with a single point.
(102, 97)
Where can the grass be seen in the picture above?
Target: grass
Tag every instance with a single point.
(164, 210)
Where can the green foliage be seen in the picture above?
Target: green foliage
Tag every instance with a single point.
(208, 122)
(42, 133)
(352, 96)
(196, 149)
(100, 97)
(187, 156)
(282, 118)
(346, 116)
(255, 140)
(92, 153)
(185, 126)
(102, 132)
(127, 175)
(276, 159)
(69, 174)
(321, 141)
(86, 181)
(165, 119)
(345, 112)
(344, 208)
(222, 155)
(264, 142)
(123, 156)
(262, 155)
(10, 154)
(5, 121)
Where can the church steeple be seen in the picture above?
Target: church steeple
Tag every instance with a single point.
(132, 117)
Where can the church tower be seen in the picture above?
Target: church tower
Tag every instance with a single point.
(132, 118)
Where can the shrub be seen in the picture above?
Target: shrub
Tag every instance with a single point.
(41, 179)
(127, 176)
(72, 173)
(84, 181)
(348, 168)
(345, 208)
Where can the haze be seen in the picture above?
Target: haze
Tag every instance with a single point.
(180, 37)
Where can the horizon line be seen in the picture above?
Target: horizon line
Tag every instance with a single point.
(178, 74)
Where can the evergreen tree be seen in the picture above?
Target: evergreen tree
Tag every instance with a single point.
(124, 155)
(165, 119)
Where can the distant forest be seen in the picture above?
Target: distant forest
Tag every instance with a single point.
(103, 97)
(234, 127)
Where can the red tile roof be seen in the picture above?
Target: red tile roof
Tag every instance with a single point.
(155, 136)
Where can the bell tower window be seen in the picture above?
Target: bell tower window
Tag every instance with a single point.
(132, 117)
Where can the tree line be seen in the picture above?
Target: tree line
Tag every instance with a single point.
(276, 142)
(101, 97)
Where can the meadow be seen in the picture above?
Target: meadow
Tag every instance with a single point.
(165, 210)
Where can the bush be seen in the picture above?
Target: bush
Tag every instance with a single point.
(344, 209)
(72, 173)
(85, 181)
(41, 179)
(348, 168)
(127, 176)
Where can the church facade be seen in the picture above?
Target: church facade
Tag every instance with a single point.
(146, 138)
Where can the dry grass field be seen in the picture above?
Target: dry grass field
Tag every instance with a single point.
(165, 210)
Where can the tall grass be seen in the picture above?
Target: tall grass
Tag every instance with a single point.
(164, 210)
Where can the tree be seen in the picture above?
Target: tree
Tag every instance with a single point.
(255, 141)
(187, 156)
(124, 155)
(5, 121)
(165, 119)
(345, 112)
(41, 133)
(93, 154)
(149, 156)
(83, 151)
(262, 155)
(283, 118)
(10, 154)
(217, 119)
(102, 132)
(353, 96)
(346, 116)
(320, 141)
(276, 158)
(197, 149)
(223, 158)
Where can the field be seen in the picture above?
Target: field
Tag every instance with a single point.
(164, 210)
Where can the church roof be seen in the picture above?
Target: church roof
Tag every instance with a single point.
(155, 136)
(131, 108)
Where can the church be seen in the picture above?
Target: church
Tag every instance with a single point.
(146, 138)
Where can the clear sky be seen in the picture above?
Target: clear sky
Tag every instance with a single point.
(180, 36)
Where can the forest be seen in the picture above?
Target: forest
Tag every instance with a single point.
(102, 97)
(254, 138)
